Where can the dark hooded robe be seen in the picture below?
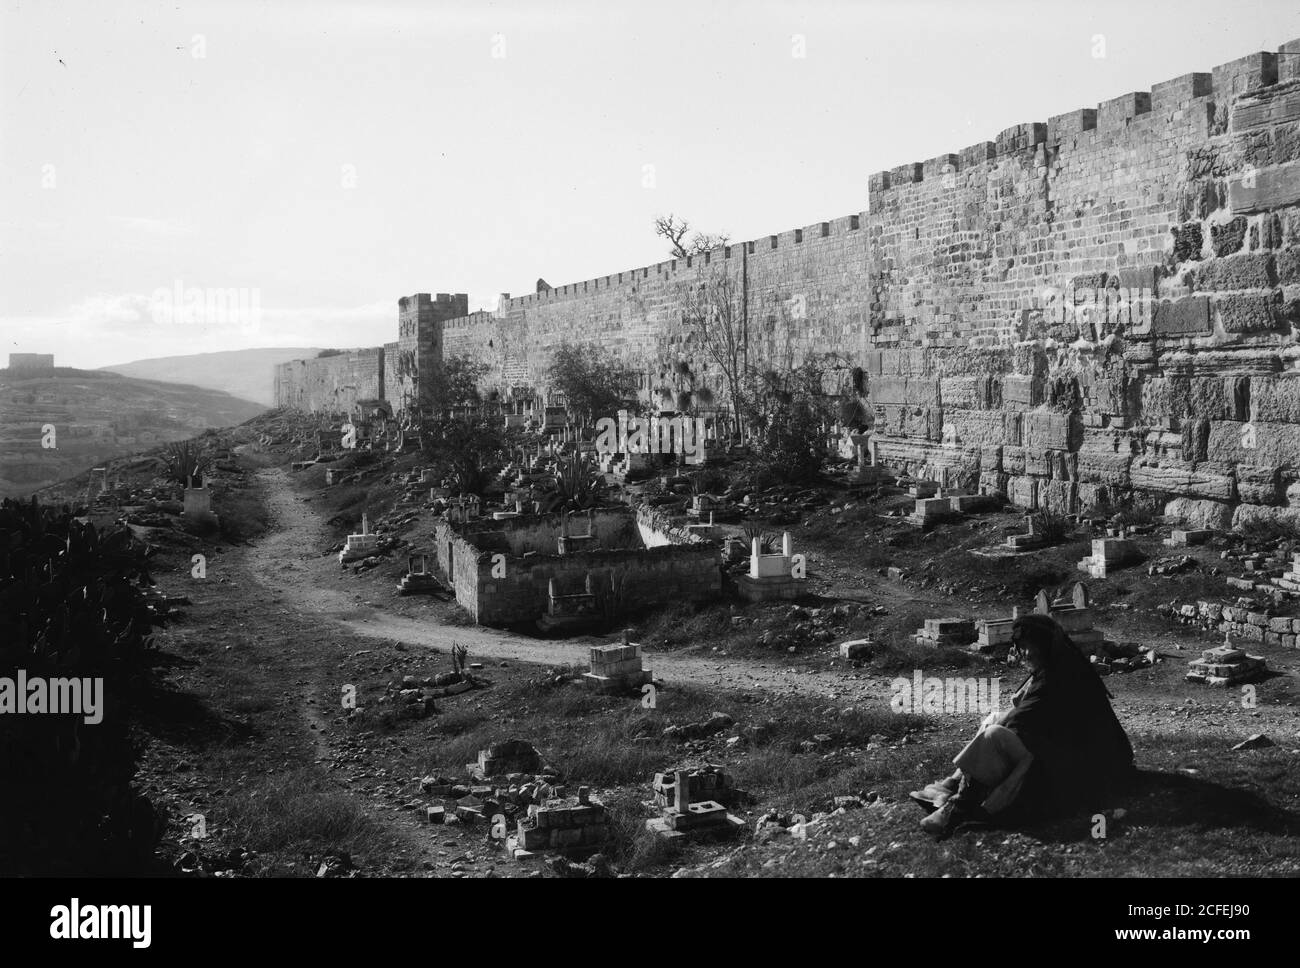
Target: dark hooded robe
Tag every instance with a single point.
(1065, 719)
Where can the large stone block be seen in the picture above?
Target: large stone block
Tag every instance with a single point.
(1267, 108)
(1183, 478)
(1060, 497)
(978, 428)
(1257, 485)
(1211, 398)
(1254, 271)
(966, 392)
(906, 421)
(1104, 458)
(1200, 514)
(1257, 443)
(1182, 317)
(990, 459)
(1108, 396)
(1022, 492)
(1265, 190)
(1013, 459)
(1248, 314)
(1275, 399)
(1049, 429)
(907, 391)
(1246, 515)
(1022, 392)
(1288, 266)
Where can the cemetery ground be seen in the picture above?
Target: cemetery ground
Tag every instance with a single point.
(252, 735)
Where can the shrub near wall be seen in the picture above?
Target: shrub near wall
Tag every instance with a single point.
(69, 607)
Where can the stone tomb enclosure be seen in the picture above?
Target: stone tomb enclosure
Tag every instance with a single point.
(519, 568)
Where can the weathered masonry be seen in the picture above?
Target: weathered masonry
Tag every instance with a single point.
(518, 569)
(1082, 308)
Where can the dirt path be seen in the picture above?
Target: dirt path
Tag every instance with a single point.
(286, 562)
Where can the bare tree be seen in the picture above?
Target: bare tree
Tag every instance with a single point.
(674, 232)
(711, 309)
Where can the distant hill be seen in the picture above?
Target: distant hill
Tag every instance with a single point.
(247, 374)
(97, 415)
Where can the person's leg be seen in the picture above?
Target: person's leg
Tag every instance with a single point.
(991, 756)
(934, 794)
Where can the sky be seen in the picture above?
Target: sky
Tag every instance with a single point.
(186, 177)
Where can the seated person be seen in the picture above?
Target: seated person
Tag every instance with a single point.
(1056, 746)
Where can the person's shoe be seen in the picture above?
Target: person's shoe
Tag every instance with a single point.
(935, 794)
(945, 788)
(961, 807)
(923, 800)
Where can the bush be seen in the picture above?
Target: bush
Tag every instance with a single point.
(71, 608)
(185, 463)
(1052, 526)
(1134, 516)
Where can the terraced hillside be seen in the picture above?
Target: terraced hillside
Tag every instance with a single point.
(96, 415)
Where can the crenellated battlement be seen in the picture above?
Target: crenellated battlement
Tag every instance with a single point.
(1154, 108)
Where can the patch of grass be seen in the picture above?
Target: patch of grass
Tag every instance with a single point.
(298, 810)
(688, 624)
(905, 655)
(632, 848)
